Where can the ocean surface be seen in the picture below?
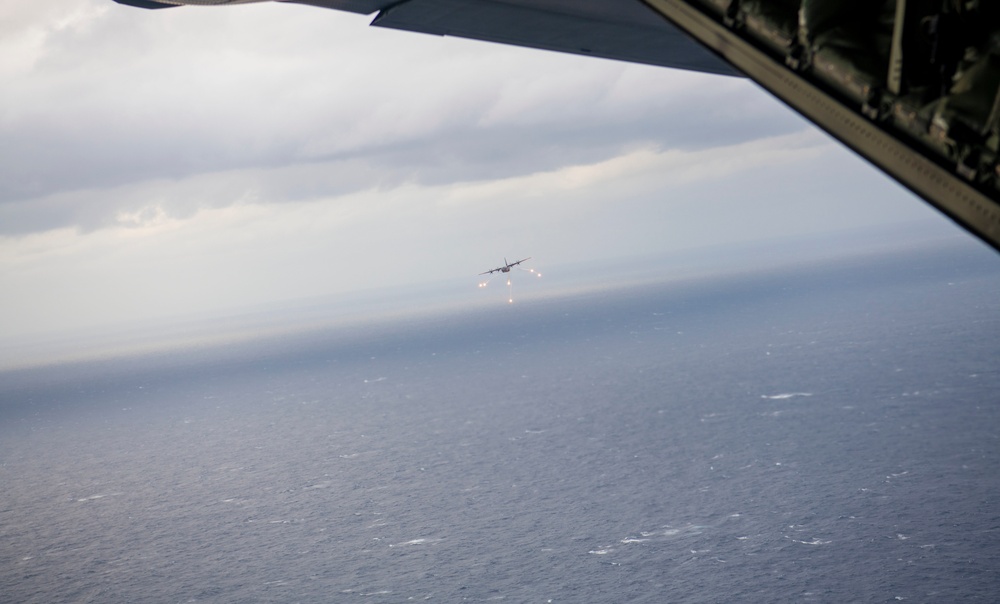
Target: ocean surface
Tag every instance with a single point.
(828, 433)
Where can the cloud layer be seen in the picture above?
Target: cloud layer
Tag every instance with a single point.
(105, 96)
(195, 159)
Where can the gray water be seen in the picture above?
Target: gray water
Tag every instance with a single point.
(827, 434)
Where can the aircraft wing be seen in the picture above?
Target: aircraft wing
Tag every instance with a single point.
(627, 30)
(911, 85)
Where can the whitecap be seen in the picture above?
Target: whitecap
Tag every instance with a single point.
(600, 552)
(813, 542)
(634, 540)
(97, 496)
(785, 395)
(419, 541)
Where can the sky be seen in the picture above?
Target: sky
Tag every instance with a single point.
(211, 159)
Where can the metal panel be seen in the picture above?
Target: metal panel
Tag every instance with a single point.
(627, 31)
(941, 187)
(145, 4)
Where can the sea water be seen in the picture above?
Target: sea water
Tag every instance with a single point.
(819, 434)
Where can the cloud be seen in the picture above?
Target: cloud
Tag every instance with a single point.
(202, 160)
(158, 260)
(525, 179)
(118, 96)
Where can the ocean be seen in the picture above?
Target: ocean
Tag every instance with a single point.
(821, 433)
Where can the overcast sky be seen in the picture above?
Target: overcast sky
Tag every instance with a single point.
(201, 159)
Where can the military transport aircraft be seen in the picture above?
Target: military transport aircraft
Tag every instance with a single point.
(506, 266)
(912, 86)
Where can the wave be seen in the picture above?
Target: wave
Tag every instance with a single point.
(418, 541)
